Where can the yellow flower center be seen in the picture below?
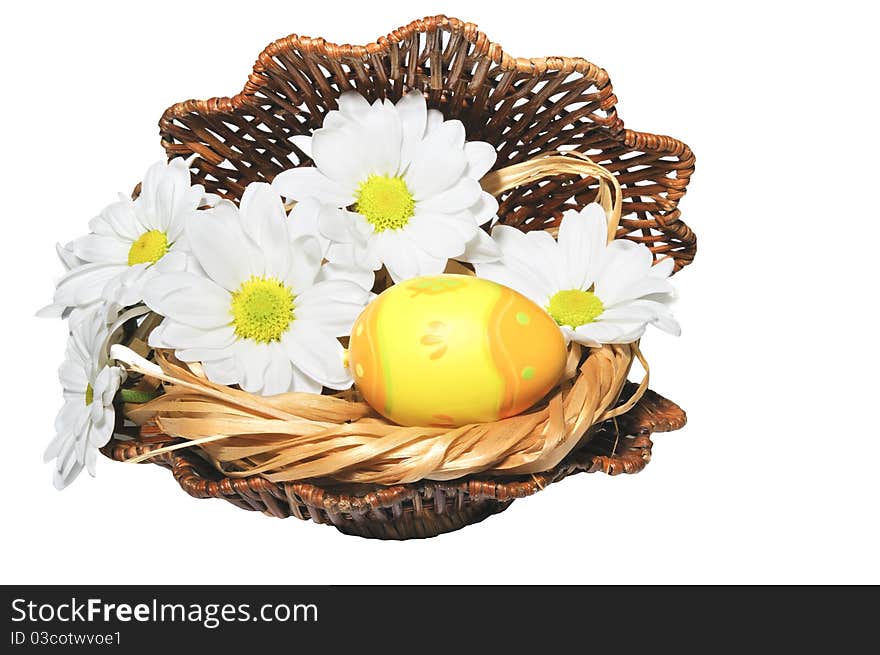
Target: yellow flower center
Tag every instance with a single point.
(575, 307)
(262, 309)
(90, 394)
(150, 247)
(385, 202)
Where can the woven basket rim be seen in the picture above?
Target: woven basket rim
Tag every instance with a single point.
(320, 45)
(645, 141)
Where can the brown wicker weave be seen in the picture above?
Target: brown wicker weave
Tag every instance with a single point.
(526, 107)
(428, 508)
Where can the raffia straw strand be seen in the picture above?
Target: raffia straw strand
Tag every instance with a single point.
(569, 163)
(177, 446)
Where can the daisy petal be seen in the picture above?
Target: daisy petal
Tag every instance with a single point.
(305, 262)
(51, 311)
(101, 248)
(623, 262)
(464, 194)
(69, 421)
(153, 179)
(413, 114)
(335, 224)
(435, 236)
(73, 376)
(55, 446)
(568, 335)
(221, 371)
(203, 353)
(531, 255)
(253, 361)
(62, 479)
(303, 383)
(663, 268)
(126, 288)
(332, 305)
(172, 197)
(480, 249)
(303, 220)
(667, 323)
(485, 209)
(435, 120)
(363, 277)
(381, 137)
(119, 218)
(91, 462)
(265, 221)
(115, 377)
(338, 155)
(481, 158)
(279, 373)
(582, 238)
(85, 284)
(353, 106)
(338, 120)
(449, 133)
(304, 143)
(398, 255)
(104, 386)
(101, 431)
(176, 335)
(308, 182)
(174, 261)
(317, 354)
(632, 312)
(221, 246)
(189, 299)
(429, 264)
(68, 258)
(435, 167)
(514, 279)
(638, 289)
(599, 332)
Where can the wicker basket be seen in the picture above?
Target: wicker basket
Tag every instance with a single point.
(527, 108)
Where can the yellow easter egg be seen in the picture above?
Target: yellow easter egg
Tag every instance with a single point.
(448, 350)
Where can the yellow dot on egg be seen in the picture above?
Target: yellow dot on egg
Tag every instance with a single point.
(359, 370)
(522, 318)
(359, 330)
(528, 372)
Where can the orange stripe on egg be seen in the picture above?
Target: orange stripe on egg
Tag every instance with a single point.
(502, 356)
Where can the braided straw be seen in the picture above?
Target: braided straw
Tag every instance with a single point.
(297, 436)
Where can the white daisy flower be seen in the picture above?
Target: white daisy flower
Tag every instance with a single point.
(397, 185)
(86, 421)
(130, 241)
(254, 313)
(597, 293)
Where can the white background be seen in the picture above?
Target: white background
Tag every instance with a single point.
(775, 477)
